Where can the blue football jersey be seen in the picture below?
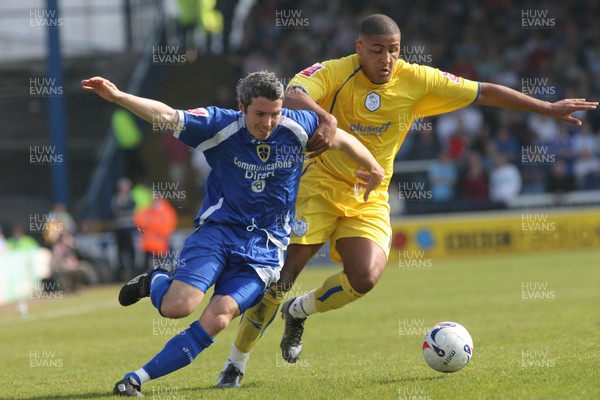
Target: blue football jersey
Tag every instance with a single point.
(253, 183)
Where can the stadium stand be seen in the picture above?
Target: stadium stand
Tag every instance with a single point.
(491, 40)
(496, 41)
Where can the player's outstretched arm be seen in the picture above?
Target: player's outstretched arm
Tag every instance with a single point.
(503, 97)
(373, 174)
(321, 140)
(147, 109)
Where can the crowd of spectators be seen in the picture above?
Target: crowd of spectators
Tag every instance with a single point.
(549, 51)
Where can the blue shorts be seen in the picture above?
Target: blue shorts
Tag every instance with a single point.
(228, 257)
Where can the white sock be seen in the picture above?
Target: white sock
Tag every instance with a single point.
(304, 306)
(237, 358)
(143, 375)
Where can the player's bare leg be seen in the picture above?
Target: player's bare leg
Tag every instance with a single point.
(256, 319)
(295, 260)
(364, 262)
(180, 300)
(218, 314)
(182, 349)
(221, 310)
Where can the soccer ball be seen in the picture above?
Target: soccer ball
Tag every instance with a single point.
(447, 347)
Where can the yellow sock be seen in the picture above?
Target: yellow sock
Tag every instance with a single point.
(335, 292)
(256, 320)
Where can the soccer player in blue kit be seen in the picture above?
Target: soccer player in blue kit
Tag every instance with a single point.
(243, 226)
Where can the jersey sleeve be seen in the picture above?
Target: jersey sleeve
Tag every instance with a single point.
(201, 124)
(445, 92)
(302, 123)
(314, 81)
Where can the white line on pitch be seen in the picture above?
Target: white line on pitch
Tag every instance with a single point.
(70, 311)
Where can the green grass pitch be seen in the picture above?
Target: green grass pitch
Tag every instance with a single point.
(534, 320)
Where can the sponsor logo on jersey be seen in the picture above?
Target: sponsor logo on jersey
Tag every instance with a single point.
(372, 101)
(299, 227)
(369, 130)
(450, 76)
(263, 151)
(313, 69)
(203, 112)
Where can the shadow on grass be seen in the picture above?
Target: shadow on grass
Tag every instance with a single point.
(91, 395)
(147, 391)
(213, 388)
(387, 381)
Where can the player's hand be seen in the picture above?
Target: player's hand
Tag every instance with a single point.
(562, 110)
(323, 137)
(370, 180)
(102, 87)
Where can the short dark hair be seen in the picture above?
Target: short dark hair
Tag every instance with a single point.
(379, 24)
(259, 84)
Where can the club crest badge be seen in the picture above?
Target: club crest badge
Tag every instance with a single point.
(263, 151)
(299, 227)
(372, 101)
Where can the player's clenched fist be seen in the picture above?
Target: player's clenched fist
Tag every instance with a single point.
(103, 87)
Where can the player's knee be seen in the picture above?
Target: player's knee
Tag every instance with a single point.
(363, 282)
(221, 321)
(215, 322)
(176, 308)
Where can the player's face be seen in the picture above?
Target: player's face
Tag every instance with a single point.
(378, 55)
(262, 115)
